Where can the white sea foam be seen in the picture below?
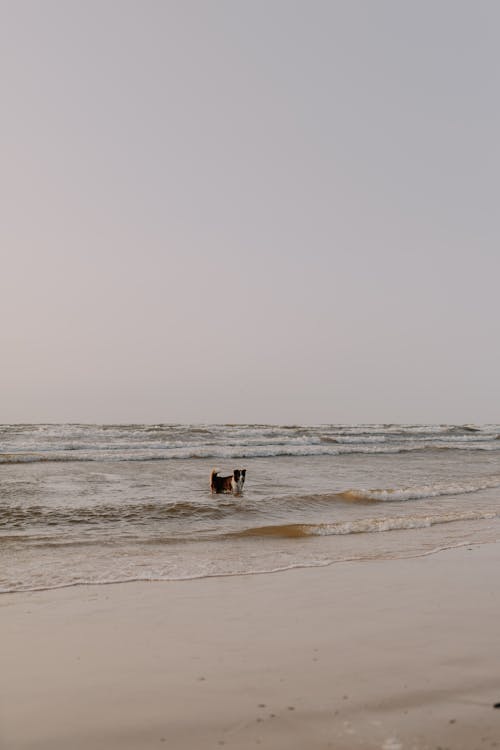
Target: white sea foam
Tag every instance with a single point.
(440, 489)
(32, 443)
(232, 450)
(364, 525)
(370, 525)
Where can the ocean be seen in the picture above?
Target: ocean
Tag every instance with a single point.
(83, 503)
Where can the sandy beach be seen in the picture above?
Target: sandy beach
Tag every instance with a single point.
(390, 654)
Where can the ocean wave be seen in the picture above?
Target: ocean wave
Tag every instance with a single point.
(302, 449)
(30, 516)
(35, 458)
(360, 526)
(398, 494)
(27, 443)
(19, 516)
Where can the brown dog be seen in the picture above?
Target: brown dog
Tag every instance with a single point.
(233, 483)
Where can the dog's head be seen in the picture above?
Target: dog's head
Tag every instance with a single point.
(239, 478)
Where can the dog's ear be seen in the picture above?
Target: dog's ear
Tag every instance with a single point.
(243, 471)
(236, 474)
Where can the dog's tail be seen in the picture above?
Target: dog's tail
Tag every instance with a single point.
(212, 477)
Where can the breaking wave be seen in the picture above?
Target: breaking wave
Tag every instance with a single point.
(67, 442)
(422, 492)
(361, 526)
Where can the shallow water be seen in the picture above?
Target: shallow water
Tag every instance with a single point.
(103, 503)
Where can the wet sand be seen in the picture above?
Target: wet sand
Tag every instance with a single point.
(395, 654)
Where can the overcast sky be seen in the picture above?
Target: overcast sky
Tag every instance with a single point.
(256, 210)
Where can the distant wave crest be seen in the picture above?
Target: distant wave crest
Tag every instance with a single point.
(421, 492)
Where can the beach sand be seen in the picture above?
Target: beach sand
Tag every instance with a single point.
(389, 654)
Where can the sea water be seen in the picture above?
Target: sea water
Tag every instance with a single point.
(107, 503)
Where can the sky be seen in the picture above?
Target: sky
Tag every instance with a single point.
(249, 211)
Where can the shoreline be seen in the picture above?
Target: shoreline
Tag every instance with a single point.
(276, 571)
(392, 654)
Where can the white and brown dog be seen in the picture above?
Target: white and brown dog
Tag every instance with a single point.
(233, 483)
